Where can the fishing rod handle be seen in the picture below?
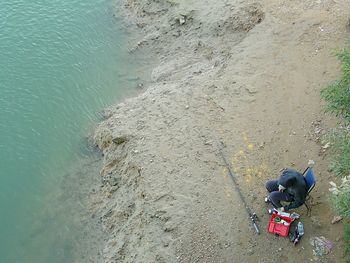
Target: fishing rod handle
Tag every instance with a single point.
(256, 228)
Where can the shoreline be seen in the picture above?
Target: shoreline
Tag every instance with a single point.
(227, 70)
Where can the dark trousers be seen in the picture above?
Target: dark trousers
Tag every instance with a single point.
(275, 197)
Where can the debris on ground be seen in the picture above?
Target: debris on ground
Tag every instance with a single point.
(321, 245)
(336, 219)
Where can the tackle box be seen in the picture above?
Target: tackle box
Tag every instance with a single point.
(279, 224)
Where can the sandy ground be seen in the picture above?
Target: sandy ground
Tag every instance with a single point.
(247, 73)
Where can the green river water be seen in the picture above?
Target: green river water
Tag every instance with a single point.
(61, 62)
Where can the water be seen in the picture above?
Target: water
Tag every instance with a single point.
(61, 62)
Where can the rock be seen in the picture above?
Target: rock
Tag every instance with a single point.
(182, 20)
(311, 163)
(251, 90)
(250, 252)
(326, 146)
(208, 143)
(334, 189)
(262, 145)
(120, 140)
(336, 219)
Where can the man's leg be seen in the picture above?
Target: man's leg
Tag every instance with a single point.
(272, 185)
(276, 197)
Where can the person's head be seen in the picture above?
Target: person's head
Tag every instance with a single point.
(287, 179)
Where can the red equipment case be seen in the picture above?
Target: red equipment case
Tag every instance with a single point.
(279, 228)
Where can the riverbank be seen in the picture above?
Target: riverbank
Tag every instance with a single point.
(245, 73)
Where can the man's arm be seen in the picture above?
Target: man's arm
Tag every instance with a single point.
(294, 204)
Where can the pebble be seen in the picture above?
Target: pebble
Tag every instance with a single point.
(250, 252)
(182, 20)
(208, 142)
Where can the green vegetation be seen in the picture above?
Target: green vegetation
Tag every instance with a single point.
(337, 96)
(339, 138)
(341, 198)
(347, 241)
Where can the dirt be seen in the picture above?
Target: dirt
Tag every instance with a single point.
(244, 73)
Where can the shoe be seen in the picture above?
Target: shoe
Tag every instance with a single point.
(267, 200)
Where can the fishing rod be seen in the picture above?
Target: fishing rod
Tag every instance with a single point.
(253, 217)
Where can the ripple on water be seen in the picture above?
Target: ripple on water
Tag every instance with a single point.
(61, 63)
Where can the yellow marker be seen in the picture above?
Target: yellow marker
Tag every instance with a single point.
(250, 146)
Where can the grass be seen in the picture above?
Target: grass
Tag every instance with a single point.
(347, 241)
(339, 139)
(337, 97)
(337, 94)
(341, 200)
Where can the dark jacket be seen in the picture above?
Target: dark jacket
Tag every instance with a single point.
(295, 185)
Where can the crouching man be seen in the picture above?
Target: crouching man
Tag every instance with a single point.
(291, 187)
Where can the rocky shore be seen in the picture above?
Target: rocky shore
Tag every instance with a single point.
(244, 73)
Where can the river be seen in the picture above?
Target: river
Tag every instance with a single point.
(61, 62)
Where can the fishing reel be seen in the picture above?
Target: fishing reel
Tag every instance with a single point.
(254, 217)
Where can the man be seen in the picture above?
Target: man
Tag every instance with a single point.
(291, 187)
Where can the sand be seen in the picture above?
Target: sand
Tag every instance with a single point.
(245, 75)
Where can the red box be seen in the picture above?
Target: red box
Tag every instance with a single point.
(279, 229)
